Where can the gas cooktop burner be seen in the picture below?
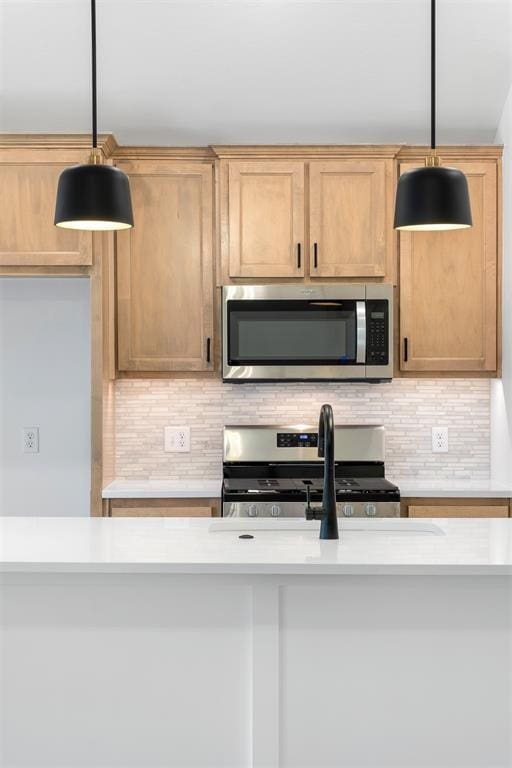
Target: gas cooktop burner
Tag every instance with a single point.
(284, 485)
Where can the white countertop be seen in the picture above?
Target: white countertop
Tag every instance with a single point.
(197, 488)
(192, 488)
(431, 487)
(198, 546)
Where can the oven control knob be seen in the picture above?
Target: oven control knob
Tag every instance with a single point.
(348, 510)
(275, 511)
(252, 510)
(371, 510)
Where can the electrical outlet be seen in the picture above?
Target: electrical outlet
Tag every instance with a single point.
(439, 439)
(30, 437)
(177, 439)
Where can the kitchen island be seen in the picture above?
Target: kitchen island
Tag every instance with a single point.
(174, 642)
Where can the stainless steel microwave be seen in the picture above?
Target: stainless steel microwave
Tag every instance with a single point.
(338, 332)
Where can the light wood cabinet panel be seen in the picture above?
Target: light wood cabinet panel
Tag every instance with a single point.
(266, 219)
(165, 269)
(28, 236)
(458, 511)
(142, 511)
(449, 286)
(349, 234)
(158, 507)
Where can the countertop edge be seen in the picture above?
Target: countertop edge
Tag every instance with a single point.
(159, 495)
(248, 569)
(202, 491)
(442, 493)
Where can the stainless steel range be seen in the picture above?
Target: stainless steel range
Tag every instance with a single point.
(273, 471)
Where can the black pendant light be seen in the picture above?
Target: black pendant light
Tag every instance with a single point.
(93, 196)
(433, 197)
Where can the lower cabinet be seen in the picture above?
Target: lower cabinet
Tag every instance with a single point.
(161, 507)
(450, 507)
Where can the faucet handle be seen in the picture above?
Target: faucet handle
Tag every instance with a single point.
(312, 513)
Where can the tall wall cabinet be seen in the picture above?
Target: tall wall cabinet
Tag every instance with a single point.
(165, 268)
(450, 286)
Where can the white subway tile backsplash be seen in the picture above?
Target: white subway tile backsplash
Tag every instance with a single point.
(408, 408)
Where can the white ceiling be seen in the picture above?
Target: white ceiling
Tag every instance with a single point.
(256, 71)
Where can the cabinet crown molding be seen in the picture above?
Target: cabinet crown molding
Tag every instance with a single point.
(111, 149)
(106, 141)
(200, 154)
(453, 151)
(304, 151)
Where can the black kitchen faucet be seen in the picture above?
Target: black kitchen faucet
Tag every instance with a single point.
(327, 512)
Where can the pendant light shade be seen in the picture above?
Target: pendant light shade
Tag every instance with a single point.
(432, 197)
(93, 196)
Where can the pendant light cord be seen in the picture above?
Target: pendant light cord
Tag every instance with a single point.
(93, 64)
(433, 74)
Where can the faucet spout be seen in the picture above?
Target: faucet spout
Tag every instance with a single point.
(329, 524)
(327, 513)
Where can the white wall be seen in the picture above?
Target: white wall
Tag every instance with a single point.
(45, 382)
(501, 390)
(255, 71)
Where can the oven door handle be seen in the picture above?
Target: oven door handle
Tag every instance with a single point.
(360, 332)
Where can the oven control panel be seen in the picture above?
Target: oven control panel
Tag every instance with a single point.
(271, 509)
(377, 335)
(297, 439)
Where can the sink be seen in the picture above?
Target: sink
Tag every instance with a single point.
(389, 525)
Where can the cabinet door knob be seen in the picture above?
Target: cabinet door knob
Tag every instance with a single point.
(298, 255)
(315, 255)
(406, 349)
(208, 347)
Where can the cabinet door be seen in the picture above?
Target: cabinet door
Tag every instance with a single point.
(348, 218)
(170, 511)
(165, 269)
(266, 219)
(28, 236)
(449, 287)
(458, 511)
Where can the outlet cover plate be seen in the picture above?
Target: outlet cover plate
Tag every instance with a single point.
(177, 439)
(30, 436)
(439, 439)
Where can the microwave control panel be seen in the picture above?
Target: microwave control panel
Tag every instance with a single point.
(377, 332)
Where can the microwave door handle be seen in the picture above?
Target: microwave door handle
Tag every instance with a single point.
(361, 332)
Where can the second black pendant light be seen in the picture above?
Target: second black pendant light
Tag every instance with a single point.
(93, 196)
(433, 197)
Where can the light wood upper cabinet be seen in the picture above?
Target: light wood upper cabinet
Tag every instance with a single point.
(266, 219)
(349, 229)
(28, 236)
(449, 286)
(301, 218)
(165, 269)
